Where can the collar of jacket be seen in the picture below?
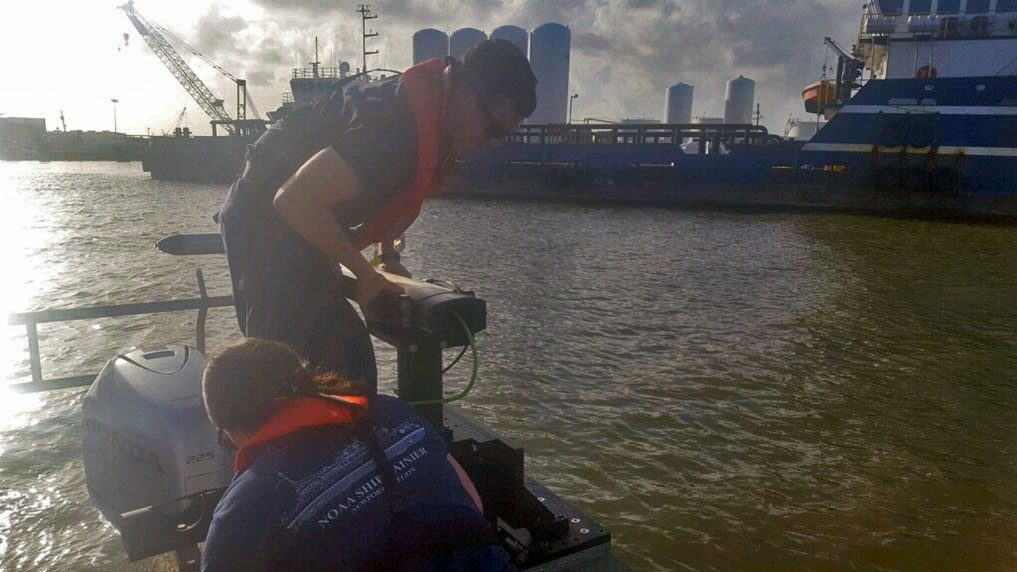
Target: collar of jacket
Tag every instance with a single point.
(296, 414)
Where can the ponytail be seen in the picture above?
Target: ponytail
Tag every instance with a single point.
(246, 380)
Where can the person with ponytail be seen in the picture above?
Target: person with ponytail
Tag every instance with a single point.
(328, 478)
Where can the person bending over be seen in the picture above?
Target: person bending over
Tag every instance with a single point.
(327, 478)
(350, 170)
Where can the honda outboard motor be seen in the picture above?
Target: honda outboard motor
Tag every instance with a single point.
(153, 465)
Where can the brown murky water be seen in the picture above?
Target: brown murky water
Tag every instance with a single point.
(723, 391)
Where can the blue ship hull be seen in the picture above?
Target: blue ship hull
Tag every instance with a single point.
(903, 146)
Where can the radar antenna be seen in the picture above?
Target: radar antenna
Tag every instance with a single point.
(365, 14)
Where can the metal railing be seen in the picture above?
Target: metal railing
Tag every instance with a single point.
(31, 320)
(638, 133)
(938, 25)
(320, 73)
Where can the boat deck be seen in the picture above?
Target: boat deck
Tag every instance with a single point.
(586, 547)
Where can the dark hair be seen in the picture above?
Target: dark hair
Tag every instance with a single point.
(498, 68)
(244, 379)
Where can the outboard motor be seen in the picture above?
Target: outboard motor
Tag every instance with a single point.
(153, 465)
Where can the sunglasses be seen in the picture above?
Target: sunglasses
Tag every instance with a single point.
(493, 130)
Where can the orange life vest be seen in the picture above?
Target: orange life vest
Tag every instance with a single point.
(425, 89)
(296, 414)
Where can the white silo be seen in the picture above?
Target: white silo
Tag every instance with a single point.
(514, 34)
(549, 57)
(738, 100)
(429, 44)
(802, 129)
(678, 103)
(464, 39)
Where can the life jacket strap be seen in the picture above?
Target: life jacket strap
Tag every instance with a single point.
(364, 430)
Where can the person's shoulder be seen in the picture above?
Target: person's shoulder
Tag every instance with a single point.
(383, 100)
(242, 526)
(389, 411)
(240, 501)
(384, 90)
(388, 404)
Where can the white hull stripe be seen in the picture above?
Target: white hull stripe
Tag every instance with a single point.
(943, 150)
(942, 109)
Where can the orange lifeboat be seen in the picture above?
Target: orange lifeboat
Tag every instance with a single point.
(819, 94)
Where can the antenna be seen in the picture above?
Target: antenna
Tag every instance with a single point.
(365, 14)
(315, 63)
(115, 101)
(63, 122)
(758, 115)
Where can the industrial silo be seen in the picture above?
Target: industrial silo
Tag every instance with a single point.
(549, 58)
(464, 39)
(514, 34)
(738, 100)
(678, 103)
(802, 129)
(429, 44)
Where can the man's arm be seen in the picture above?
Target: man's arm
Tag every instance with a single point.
(305, 202)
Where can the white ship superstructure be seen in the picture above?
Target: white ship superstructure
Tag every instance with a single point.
(939, 38)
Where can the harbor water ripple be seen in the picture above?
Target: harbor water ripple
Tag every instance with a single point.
(722, 390)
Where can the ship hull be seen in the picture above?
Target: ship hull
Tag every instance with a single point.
(923, 147)
(914, 146)
(200, 159)
(778, 187)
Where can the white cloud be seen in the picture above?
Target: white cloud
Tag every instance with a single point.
(625, 52)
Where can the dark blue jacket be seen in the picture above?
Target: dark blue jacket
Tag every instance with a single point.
(315, 500)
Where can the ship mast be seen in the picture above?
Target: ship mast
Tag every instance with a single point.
(365, 14)
(315, 63)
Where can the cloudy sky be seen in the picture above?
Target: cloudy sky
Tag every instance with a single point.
(72, 56)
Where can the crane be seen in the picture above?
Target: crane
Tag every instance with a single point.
(248, 102)
(157, 38)
(180, 119)
(849, 71)
(840, 51)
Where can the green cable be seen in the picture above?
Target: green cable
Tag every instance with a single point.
(473, 378)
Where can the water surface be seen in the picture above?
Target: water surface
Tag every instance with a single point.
(722, 390)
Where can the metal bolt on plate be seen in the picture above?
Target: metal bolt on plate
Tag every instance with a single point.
(584, 530)
(575, 520)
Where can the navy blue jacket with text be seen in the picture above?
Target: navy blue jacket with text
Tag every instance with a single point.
(308, 495)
